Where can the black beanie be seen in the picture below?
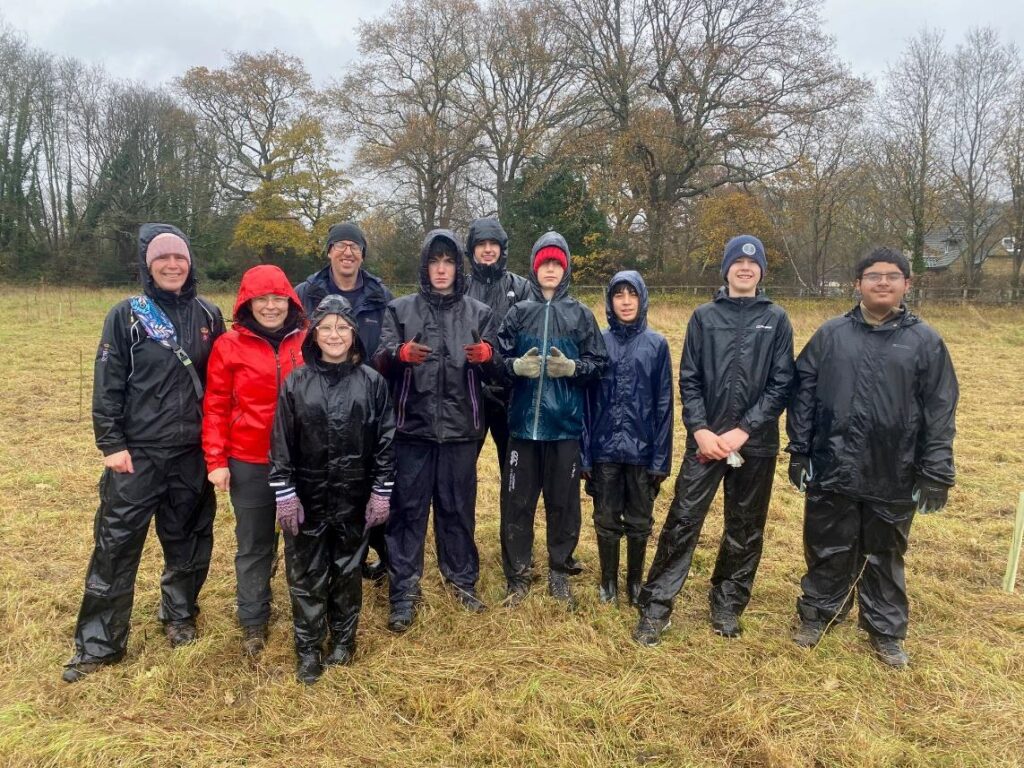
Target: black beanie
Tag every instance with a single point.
(346, 230)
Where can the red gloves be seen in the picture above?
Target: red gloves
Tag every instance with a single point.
(479, 351)
(412, 352)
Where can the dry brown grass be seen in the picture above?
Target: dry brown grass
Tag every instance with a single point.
(531, 686)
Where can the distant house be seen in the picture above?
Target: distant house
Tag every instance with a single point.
(944, 247)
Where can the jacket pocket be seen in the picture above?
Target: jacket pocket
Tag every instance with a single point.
(403, 395)
(474, 399)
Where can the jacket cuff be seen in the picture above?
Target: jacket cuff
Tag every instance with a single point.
(110, 450)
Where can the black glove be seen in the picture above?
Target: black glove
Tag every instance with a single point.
(929, 495)
(656, 480)
(800, 471)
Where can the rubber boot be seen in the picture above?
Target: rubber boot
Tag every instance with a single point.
(608, 554)
(636, 551)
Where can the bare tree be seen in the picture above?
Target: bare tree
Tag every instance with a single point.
(1014, 165)
(403, 106)
(983, 70)
(912, 118)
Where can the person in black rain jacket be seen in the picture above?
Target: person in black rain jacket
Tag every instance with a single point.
(332, 471)
(871, 430)
(147, 417)
(734, 378)
(627, 443)
(346, 250)
(437, 348)
(491, 282)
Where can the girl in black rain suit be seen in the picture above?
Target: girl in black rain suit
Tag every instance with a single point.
(332, 471)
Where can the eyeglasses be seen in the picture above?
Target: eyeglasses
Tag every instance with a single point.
(877, 277)
(263, 301)
(327, 330)
(345, 247)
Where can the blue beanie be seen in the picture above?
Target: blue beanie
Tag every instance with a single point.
(744, 245)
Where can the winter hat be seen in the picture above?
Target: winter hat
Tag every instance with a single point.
(165, 244)
(744, 245)
(347, 230)
(549, 253)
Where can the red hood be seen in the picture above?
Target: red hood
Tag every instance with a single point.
(261, 280)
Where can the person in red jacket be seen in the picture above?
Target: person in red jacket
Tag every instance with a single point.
(246, 370)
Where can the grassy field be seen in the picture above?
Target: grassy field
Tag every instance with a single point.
(529, 686)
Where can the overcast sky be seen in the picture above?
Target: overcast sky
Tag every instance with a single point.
(154, 41)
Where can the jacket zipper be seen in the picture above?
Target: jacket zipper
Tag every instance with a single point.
(543, 372)
(404, 394)
(472, 397)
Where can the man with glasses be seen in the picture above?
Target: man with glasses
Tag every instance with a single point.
(345, 276)
(871, 431)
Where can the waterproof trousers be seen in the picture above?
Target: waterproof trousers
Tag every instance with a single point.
(496, 414)
(533, 467)
(748, 491)
(325, 581)
(442, 474)
(169, 484)
(255, 517)
(845, 538)
(623, 501)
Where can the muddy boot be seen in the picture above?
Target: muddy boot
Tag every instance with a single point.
(558, 588)
(608, 554)
(180, 633)
(636, 551)
(309, 667)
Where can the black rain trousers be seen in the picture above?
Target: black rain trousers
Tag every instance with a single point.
(842, 535)
(533, 467)
(255, 511)
(496, 420)
(748, 491)
(325, 581)
(443, 474)
(623, 501)
(169, 484)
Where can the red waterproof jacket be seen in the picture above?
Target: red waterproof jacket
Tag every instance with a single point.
(243, 377)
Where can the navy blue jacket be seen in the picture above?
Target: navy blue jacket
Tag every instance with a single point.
(546, 408)
(368, 307)
(629, 411)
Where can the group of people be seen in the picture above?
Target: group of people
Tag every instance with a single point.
(342, 415)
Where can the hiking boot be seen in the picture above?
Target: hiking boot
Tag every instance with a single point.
(809, 633)
(515, 593)
(649, 630)
(180, 633)
(469, 600)
(558, 588)
(76, 671)
(725, 623)
(341, 654)
(636, 551)
(254, 639)
(889, 650)
(309, 668)
(376, 572)
(608, 554)
(401, 618)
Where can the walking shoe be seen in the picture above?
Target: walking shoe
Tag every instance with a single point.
(558, 588)
(725, 623)
(180, 633)
(889, 650)
(376, 572)
(341, 654)
(254, 639)
(309, 668)
(76, 671)
(401, 618)
(469, 600)
(809, 633)
(649, 630)
(515, 593)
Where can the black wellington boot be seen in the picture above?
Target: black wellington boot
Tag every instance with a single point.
(636, 551)
(608, 554)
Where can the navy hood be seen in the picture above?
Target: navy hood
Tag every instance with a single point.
(146, 234)
(555, 239)
(633, 279)
(459, 288)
